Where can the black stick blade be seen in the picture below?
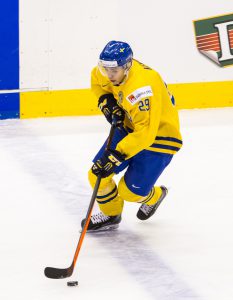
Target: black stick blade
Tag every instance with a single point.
(55, 273)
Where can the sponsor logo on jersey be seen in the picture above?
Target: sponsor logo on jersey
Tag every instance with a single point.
(214, 38)
(131, 99)
(139, 94)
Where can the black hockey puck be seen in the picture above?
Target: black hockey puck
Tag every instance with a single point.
(72, 283)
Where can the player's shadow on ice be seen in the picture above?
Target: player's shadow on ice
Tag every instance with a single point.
(145, 265)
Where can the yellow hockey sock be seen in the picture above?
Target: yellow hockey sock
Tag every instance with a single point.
(110, 203)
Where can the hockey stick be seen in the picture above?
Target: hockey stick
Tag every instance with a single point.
(56, 273)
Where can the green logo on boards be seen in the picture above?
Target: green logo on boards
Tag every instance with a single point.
(214, 38)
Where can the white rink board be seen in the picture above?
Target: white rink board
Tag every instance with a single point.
(34, 44)
(59, 53)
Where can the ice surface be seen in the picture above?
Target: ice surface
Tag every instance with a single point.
(184, 252)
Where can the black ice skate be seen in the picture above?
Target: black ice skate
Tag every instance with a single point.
(146, 211)
(101, 222)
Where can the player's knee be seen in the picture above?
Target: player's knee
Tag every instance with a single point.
(105, 182)
(126, 194)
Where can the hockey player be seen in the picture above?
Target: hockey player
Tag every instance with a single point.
(146, 138)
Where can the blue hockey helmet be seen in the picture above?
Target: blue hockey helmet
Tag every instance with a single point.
(116, 54)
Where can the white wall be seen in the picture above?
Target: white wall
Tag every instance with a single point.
(60, 40)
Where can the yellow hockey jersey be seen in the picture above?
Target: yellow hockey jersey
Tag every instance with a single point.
(150, 116)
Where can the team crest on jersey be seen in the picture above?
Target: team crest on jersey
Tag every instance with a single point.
(214, 38)
(120, 97)
(139, 94)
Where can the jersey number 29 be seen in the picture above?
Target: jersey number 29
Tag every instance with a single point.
(144, 105)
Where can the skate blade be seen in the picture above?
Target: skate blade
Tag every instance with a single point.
(105, 228)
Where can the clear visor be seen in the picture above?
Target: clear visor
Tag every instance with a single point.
(109, 68)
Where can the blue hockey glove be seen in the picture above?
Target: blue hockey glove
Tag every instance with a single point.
(109, 107)
(105, 166)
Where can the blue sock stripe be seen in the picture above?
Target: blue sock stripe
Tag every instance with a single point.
(150, 196)
(160, 146)
(170, 139)
(108, 200)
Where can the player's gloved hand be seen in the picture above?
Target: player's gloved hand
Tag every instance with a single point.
(109, 107)
(105, 166)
